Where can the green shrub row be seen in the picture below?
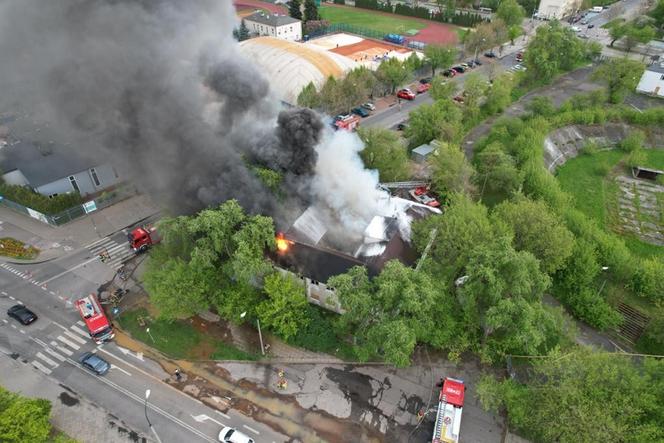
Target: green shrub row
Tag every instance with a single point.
(46, 205)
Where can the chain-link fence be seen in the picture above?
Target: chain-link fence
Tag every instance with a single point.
(104, 200)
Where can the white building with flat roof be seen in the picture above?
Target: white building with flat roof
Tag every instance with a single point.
(557, 9)
(274, 25)
(652, 81)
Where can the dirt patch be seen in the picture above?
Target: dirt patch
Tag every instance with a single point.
(368, 49)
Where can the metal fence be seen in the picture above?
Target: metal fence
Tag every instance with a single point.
(106, 199)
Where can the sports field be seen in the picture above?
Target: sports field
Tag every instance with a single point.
(386, 24)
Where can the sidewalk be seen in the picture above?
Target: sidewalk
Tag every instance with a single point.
(57, 241)
(72, 414)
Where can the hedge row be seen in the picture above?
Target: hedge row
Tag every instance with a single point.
(33, 200)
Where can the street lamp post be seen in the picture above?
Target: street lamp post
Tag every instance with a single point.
(260, 335)
(152, 429)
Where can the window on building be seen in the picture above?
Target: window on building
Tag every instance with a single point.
(74, 185)
(95, 178)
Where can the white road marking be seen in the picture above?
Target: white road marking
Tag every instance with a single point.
(80, 323)
(58, 325)
(41, 367)
(47, 360)
(68, 343)
(202, 417)
(96, 242)
(4, 293)
(14, 326)
(125, 351)
(73, 268)
(80, 331)
(75, 337)
(21, 331)
(51, 292)
(12, 297)
(54, 354)
(120, 369)
(222, 414)
(5, 320)
(57, 346)
(251, 429)
(19, 302)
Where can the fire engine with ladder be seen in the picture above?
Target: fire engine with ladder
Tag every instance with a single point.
(93, 315)
(450, 408)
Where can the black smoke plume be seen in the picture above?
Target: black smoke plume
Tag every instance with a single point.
(159, 89)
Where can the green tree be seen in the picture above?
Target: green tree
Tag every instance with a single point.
(647, 281)
(537, 230)
(392, 73)
(310, 10)
(475, 87)
(658, 14)
(332, 96)
(23, 419)
(553, 49)
(441, 89)
(282, 311)
(638, 34)
(243, 32)
(439, 120)
(463, 227)
(309, 97)
(541, 105)
(451, 171)
(499, 95)
(634, 141)
(199, 254)
(295, 9)
(384, 151)
(617, 31)
(356, 86)
(513, 32)
(621, 75)
(501, 301)
(497, 171)
(438, 56)
(389, 314)
(481, 39)
(607, 397)
(510, 12)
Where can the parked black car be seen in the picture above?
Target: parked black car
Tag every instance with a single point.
(425, 80)
(22, 314)
(360, 111)
(458, 69)
(490, 54)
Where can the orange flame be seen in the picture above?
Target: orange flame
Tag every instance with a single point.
(282, 243)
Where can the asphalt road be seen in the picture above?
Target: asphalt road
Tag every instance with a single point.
(54, 342)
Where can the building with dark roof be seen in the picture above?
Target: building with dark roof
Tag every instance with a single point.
(31, 156)
(274, 25)
(314, 253)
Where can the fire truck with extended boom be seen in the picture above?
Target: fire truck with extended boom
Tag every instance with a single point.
(93, 315)
(450, 408)
(142, 237)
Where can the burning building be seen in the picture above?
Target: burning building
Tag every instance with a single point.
(312, 249)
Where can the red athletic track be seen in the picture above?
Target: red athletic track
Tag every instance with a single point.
(257, 4)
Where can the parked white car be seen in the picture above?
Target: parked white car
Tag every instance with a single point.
(232, 435)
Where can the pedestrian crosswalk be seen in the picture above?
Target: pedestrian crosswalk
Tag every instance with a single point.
(61, 348)
(118, 252)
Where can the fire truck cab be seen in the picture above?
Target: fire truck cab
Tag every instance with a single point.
(141, 238)
(95, 319)
(450, 408)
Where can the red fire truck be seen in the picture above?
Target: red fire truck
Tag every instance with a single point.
(141, 238)
(450, 407)
(93, 315)
(348, 122)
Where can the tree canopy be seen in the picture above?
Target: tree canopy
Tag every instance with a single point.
(438, 56)
(282, 311)
(606, 397)
(201, 255)
(384, 151)
(621, 75)
(510, 12)
(23, 419)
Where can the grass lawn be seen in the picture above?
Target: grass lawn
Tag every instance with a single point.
(386, 24)
(319, 335)
(655, 158)
(583, 178)
(179, 339)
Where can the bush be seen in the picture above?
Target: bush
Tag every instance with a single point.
(27, 197)
(590, 148)
(588, 305)
(633, 142)
(648, 280)
(319, 334)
